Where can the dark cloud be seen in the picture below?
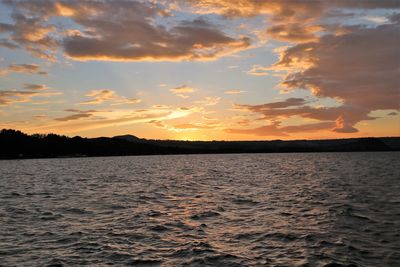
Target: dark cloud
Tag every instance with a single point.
(74, 117)
(357, 65)
(281, 104)
(37, 87)
(115, 30)
(23, 68)
(290, 20)
(10, 97)
(293, 32)
(115, 41)
(30, 32)
(339, 119)
(361, 68)
(81, 111)
(7, 44)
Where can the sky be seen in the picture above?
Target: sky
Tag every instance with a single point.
(201, 69)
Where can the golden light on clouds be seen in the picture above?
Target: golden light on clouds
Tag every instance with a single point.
(204, 69)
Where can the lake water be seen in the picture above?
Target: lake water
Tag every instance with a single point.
(322, 209)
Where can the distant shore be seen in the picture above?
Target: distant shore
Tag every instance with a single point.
(18, 145)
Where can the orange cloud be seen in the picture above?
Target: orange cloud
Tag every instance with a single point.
(342, 117)
(209, 101)
(290, 21)
(102, 95)
(258, 70)
(294, 32)
(74, 117)
(84, 120)
(364, 77)
(31, 33)
(182, 90)
(9, 97)
(234, 92)
(23, 68)
(275, 129)
(115, 31)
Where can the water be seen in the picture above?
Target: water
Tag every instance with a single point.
(325, 209)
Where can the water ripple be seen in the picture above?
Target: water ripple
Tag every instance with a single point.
(325, 209)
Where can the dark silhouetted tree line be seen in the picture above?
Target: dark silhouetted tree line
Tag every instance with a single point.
(15, 144)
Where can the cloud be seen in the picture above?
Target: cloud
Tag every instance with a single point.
(124, 101)
(209, 101)
(355, 65)
(79, 114)
(74, 117)
(9, 97)
(80, 111)
(7, 44)
(360, 68)
(103, 95)
(85, 120)
(363, 63)
(36, 87)
(23, 68)
(234, 92)
(99, 96)
(258, 70)
(13, 96)
(120, 30)
(290, 102)
(117, 30)
(40, 117)
(341, 118)
(289, 21)
(275, 129)
(294, 32)
(193, 41)
(158, 123)
(182, 90)
(29, 32)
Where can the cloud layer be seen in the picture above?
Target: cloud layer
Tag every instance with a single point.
(118, 30)
(9, 97)
(341, 52)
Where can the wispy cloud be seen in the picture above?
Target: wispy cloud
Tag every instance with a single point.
(37, 87)
(234, 92)
(209, 101)
(103, 95)
(9, 97)
(182, 91)
(23, 68)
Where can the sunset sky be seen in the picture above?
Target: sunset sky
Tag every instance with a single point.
(201, 69)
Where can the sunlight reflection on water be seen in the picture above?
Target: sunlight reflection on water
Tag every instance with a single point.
(202, 210)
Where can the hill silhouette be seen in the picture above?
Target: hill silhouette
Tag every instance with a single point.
(127, 137)
(16, 144)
